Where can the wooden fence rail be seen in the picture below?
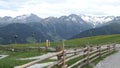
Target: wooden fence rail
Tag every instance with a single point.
(47, 56)
(89, 54)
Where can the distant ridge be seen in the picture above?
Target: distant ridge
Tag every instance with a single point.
(113, 28)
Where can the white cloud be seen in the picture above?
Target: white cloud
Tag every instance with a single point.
(45, 8)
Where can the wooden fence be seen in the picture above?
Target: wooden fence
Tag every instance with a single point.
(88, 55)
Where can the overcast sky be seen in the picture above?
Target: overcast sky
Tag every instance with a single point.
(45, 8)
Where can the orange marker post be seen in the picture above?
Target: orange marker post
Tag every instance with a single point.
(47, 43)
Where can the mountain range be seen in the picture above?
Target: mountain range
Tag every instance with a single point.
(52, 28)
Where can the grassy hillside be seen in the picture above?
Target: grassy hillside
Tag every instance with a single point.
(11, 60)
(94, 40)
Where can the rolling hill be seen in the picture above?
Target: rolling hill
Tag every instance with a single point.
(113, 28)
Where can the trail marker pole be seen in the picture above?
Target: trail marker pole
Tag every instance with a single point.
(47, 43)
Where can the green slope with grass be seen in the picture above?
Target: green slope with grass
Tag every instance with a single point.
(11, 61)
(94, 40)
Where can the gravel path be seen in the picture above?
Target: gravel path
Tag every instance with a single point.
(43, 65)
(3, 56)
(112, 61)
(53, 58)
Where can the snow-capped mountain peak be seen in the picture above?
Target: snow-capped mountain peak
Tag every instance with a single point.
(28, 18)
(97, 20)
(20, 19)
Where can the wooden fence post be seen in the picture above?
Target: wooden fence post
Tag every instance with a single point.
(75, 53)
(64, 64)
(108, 48)
(91, 48)
(86, 54)
(99, 50)
(114, 47)
(84, 51)
(59, 57)
(88, 50)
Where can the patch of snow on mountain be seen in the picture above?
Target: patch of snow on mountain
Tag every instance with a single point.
(73, 19)
(96, 20)
(22, 17)
(67, 19)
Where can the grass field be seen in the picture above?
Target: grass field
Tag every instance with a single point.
(10, 61)
(80, 42)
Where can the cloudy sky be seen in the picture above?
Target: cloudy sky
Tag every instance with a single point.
(45, 8)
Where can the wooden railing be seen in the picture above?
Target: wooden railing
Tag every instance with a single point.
(88, 55)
